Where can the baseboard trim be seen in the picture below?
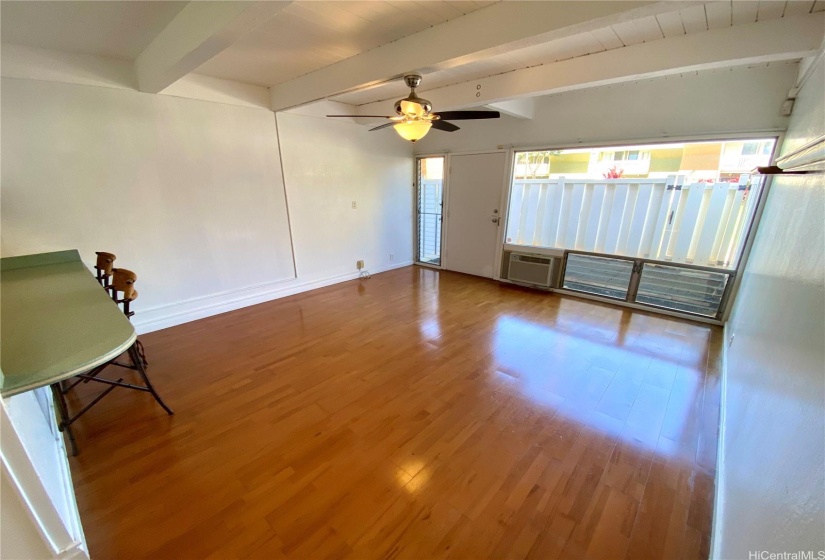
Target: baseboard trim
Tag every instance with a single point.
(719, 487)
(187, 311)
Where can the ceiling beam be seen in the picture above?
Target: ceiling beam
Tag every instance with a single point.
(806, 68)
(200, 31)
(329, 107)
(518, 108)
(493, 30)
(753, 43)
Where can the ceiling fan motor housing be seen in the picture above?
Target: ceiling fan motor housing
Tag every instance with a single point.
(412, 80)
(413, 105)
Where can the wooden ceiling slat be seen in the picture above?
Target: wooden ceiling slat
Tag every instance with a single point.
(671, 24)
(744, 11)
(608, 38)
(694, 19)
(797, 7)
(719, 14)
(770, 9)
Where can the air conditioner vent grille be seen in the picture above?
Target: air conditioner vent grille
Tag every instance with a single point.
(529, 269)
(529, 259)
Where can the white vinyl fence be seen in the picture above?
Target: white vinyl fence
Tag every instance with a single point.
(701, 224)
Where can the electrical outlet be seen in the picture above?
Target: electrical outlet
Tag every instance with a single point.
(354, 205)
(360, 265)
(392, 256)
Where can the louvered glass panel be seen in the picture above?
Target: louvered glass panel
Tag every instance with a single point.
(429, 238)
(682, 289)
(598, 275)
(430, 193)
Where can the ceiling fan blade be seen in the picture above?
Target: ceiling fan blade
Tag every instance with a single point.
(382, 126)
(468, 115)
(445, 126)
(363, 116)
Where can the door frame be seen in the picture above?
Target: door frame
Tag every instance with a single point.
(416, 158)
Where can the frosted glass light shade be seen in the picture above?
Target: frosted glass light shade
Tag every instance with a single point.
(413, 130)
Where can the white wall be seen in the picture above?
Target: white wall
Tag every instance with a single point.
(327, 166)
(190, 193)
(708, 102)
(187, 193)
(39, 515)
(771, 483)
(19, 536)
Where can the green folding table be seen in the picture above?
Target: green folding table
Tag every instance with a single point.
(57, 322)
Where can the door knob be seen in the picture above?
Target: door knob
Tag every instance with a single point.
(495, 220)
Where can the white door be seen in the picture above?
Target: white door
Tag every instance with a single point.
(473, 213)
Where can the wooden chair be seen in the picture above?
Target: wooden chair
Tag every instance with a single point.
(103, 267)
(122, 282)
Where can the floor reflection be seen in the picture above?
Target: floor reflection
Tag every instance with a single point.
(430, 329)
(632, 377)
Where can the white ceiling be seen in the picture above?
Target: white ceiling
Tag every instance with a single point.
(309, 50)
(309, 35)
(713, 15)
(114, 29)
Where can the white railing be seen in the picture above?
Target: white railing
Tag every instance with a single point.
(429, 220)
(430, 196)
(661, 219)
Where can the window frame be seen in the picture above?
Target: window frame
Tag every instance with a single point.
(732, 287)
(563, 273)
(635, 278)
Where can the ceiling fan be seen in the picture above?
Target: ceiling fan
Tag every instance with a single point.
(415, 116)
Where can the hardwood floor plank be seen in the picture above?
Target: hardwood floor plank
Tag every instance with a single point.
(418, 414)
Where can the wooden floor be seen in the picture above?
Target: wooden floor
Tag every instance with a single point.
(417, 414)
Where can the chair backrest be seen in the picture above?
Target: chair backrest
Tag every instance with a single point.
(123, 281)
(103, 267)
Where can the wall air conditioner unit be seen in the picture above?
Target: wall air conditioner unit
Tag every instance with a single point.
(535, 270)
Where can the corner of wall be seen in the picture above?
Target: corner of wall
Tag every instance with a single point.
(719, 486)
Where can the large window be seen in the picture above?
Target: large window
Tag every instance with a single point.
(689, 203)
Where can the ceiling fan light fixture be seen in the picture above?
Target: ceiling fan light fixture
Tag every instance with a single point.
(413, 130)
(411, 108)
(414, 117)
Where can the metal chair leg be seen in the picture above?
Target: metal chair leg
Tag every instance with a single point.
(64, 426)
(137, 360)
(59, 390)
